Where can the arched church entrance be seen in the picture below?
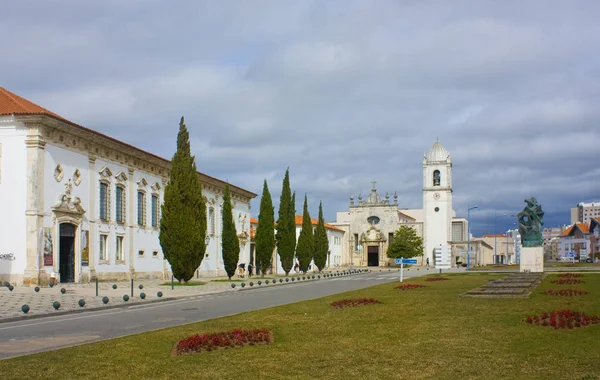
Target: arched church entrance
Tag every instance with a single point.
(373, 256)
(66, 252)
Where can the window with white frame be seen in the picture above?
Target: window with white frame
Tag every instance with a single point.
(119, 252)
(103, 254)
(141, 208)
(120, 204)
(104, 199)
(155, 210)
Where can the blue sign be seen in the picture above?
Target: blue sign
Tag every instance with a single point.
(571, 254)
(406, 261)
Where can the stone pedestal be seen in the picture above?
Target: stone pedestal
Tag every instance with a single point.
(532, 259)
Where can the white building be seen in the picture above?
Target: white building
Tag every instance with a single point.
(370, 224)
(585, 212)
(82, 205)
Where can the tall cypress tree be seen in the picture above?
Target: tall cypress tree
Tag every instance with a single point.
(183, 213)
(230, 242)
(265, 232)
(321, 241)
(306, 246)
(286, 226)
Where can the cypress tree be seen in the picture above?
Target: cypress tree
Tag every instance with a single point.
(286, 226)
(183, 213)
(265, 232)
(230, 242)
(306, 247)
(321, 241)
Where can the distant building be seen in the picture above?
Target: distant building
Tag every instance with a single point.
(575, 239)
(551, 241)
(505, 246)
(585, 212)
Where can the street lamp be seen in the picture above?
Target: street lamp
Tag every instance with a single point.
(495, 244)
(469, 234)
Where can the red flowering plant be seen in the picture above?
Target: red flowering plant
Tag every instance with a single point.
(227, 339)
(436, 278)
(353, 302)
(563, 319)
(409, 286)
(565, 292)
(570, 275)
(567, 281)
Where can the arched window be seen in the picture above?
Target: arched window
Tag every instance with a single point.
(436, 178)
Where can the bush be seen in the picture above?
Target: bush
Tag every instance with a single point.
(227, 339)
(565, 292)
(353, 302)
(409, 286)
(563, 319)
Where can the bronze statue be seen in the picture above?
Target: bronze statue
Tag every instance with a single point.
(530, 224)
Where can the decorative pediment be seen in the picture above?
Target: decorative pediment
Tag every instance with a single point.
(156, 186)
(68, 204)
(121, 177)
(243, 237)
(142, 183)
(105, 173)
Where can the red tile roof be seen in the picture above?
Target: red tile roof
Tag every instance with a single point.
(13, 104)
(253, 221)
(315, 222)
(582, 227)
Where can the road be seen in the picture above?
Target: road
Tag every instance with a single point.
(50, 333)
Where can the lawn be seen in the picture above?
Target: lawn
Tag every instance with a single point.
(177, 283)
(429, 332)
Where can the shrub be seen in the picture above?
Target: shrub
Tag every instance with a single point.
(409, 286)
(436, 279)
(563, 319)
(353, 302)
(570, 275)
(567, 281)
(565, 292)
(227, 339)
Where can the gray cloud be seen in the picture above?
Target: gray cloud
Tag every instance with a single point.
(342, 92)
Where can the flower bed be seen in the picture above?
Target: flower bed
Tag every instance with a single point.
(436, 279)
(409, 286)
(226, 339)
(565, 292)
(570, 275)
(353, 302)
(567, 281)
(563, 319)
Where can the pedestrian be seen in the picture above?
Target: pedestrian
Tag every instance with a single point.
(241, 269)
(428, 261)
(250, 267)
(296, 267)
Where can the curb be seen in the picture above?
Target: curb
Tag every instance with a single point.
(82, 310)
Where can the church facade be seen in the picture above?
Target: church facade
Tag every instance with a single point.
(78, 205)
(370, 223)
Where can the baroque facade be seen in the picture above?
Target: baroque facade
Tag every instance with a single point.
(371, 222)
(79, 205)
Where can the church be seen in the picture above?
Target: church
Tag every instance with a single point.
(370, 223)
(78, 205)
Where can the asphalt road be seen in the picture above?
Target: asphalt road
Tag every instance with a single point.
(29, 336)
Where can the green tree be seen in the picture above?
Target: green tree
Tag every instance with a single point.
(286, 226)
(183, 213)
(230, 242)
(306, 246)
(321, 241)
(406, 244)
(264, 241)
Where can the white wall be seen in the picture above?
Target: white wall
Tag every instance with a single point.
(13, 190)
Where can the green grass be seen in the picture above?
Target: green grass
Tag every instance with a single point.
(253, 279)
(177, 283)
(415, 334)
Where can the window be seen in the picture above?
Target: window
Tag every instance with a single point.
(103, 245)
(390, 237)
(120, 204)
(154, 210)
(154, 253)
(211, 220)
(436, 178)
(355, 242)
(141, 211)
(119, 254)
(141, 253)
(103, 201)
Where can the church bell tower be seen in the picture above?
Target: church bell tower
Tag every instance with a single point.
(437, 200)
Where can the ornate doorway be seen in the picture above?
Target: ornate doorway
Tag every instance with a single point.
(66, 252)
(373, 256)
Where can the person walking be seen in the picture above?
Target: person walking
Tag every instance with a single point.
(296, 267)
(250, 267)
(428, 261)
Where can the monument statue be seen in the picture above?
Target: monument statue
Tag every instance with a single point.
(530, 224)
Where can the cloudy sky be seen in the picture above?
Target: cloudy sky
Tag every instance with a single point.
(342, 92)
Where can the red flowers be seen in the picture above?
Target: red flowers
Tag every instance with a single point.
(227, 339)
(570, 275)
(353, 302)
(563, 319)
(436, 278)
(409, 286)
(565, 292)
(567, 281)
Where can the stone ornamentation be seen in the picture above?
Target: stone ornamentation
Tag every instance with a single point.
(530, 224)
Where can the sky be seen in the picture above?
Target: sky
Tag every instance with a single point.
(341, 92)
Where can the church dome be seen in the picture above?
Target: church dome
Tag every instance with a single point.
(437, 153)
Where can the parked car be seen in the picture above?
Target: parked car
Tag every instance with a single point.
(589, 260)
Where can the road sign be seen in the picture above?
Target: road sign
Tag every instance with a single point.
(406, 261)
(571, 254)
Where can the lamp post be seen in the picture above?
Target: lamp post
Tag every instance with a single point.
(495, 244)
(469, 234)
